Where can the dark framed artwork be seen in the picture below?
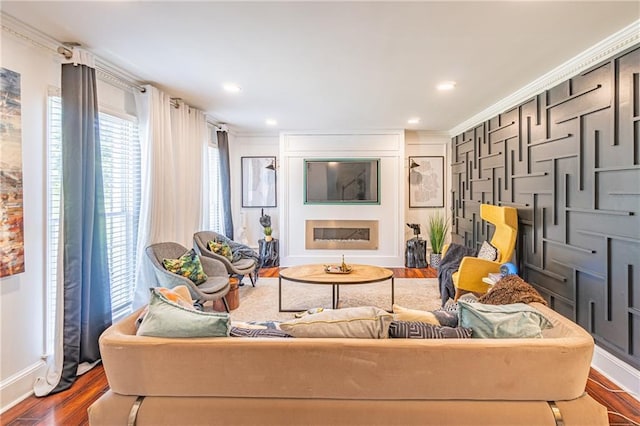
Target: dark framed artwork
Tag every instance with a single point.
(258, 181)
(426, 182)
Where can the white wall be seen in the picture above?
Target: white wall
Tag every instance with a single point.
(424, 143)
(251, 146)
(295, 148)
(22, 295)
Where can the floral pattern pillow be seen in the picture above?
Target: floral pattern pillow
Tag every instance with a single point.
(221, 248)
(188, 265)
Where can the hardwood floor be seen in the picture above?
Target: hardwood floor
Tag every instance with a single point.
(70, 407)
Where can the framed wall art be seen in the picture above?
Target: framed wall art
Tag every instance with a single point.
(11, 190)
(426, 182)
(258, 181)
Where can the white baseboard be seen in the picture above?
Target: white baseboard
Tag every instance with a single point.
(619, 372)
(20, 386)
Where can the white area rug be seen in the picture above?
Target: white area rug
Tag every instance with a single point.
(261, 302)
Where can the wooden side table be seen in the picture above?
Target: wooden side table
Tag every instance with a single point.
(268, 251)
(233, 297)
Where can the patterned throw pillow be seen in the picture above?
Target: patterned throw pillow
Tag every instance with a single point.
(257, 332)
(487, 251)
(188, 265)
(221, 248)
(447, 318)
(421, 330)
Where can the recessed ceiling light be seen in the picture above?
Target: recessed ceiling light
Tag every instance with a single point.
(446, 85)
(413, 120)
(231, 87)
(271, 122)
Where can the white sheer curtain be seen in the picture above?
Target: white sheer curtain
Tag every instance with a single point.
(189, 133)
(173, 142)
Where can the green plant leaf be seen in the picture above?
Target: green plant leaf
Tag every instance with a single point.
(438, 229)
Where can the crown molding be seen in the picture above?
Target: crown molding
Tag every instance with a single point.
(612, 45)
(29, 34)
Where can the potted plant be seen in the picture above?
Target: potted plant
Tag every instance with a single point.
(438, 229)
(265, 221)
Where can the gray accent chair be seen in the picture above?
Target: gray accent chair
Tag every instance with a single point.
(239, 268)
(216, 287)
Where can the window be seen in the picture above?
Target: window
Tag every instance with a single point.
(120, 149)
(216, 213)
(54, 186)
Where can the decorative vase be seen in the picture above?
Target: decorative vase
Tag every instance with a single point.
(434, 260)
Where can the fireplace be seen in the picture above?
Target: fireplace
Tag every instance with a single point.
(341, 234)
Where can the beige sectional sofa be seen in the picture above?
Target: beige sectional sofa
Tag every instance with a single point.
(328, 381)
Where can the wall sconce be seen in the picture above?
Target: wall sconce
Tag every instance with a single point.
(272, 165)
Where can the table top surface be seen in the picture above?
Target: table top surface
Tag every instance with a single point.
(315, 274)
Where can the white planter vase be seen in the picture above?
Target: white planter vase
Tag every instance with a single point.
(434, 260)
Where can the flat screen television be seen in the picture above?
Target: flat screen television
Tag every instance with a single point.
(342, 181)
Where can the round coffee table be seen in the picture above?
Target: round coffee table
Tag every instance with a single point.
(315, 274)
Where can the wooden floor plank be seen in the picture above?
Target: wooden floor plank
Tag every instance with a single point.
(70, 407)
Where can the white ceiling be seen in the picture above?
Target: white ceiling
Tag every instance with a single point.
(333, 65)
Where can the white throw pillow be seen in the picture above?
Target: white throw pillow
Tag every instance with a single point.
(487, 251)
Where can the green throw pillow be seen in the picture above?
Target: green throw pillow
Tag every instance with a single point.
(168, 319)
(221, 248)
(188, 265)
(516, 320)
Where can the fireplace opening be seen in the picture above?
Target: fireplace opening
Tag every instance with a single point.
(341, 234)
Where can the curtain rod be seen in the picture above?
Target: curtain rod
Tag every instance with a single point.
(45, 42)
(104, 69)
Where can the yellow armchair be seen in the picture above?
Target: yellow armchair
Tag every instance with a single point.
(472, 269)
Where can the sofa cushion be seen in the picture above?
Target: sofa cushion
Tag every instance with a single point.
(365, 322)
(165, 318)
(516, 320)
(188, 265)
(405, 314)
(421, 330)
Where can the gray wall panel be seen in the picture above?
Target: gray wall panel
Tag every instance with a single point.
(569, 160)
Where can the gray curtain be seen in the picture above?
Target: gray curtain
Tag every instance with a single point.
(225, 183)
(87, 292)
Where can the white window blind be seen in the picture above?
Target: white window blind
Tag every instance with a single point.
(54, 188)
(120, 149)
(216, 214)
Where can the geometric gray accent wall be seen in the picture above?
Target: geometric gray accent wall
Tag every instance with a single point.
(569, 160)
